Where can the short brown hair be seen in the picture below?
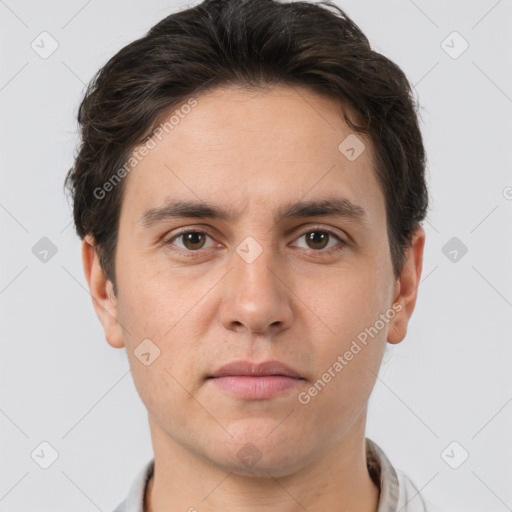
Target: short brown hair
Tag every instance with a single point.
(250, 43)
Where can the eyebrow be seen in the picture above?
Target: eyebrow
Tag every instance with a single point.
(334, 207)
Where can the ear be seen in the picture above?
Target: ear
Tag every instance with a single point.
(406, 287)
(102, 293)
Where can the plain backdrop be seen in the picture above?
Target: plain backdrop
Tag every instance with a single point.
(442, 395)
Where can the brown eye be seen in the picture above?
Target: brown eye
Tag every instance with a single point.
(319, 240)
(191, 240)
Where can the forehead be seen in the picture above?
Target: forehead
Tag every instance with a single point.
(262, 148)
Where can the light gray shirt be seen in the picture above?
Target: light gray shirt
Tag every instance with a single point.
(397, 491)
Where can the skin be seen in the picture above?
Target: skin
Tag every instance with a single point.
(252, 152)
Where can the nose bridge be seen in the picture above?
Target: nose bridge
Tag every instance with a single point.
(255, 296)
(253, 264)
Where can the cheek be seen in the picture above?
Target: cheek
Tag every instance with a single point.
(349, 352)
(347, 301)
(151, 303)
(343, 383)
(168, 381)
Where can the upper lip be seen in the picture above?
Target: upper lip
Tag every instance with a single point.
(255, 369)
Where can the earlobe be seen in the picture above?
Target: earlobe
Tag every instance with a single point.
(101, 290)
(406, 288)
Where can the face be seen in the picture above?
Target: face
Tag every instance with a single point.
(305, 287)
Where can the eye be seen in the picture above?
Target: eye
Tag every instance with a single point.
(193, 240)
(317, 239)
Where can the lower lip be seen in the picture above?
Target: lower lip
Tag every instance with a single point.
(255, 388)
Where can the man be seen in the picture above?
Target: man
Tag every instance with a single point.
(249, 190)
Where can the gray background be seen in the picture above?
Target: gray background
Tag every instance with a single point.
(450, 380)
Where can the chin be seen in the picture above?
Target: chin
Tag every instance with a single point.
(257, 454)
(279, 465)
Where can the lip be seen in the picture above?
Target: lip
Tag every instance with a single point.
(255, 381)
(246, 368)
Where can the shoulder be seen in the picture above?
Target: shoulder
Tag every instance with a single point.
(134, 502)
(398, 492)
(409, 496)
(121, 507)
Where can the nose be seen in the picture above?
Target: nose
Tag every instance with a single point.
(256, 297)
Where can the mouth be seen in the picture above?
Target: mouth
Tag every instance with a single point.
(252, 381)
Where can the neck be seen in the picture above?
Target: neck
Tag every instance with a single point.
(336, 480)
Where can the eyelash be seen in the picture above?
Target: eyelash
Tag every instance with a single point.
(192, 254)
